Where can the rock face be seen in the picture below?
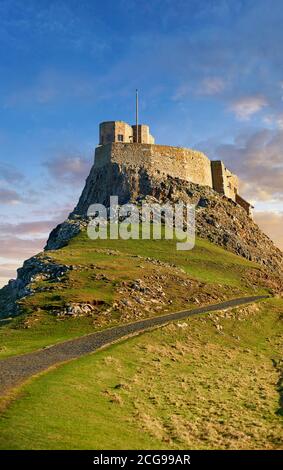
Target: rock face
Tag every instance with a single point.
(61, 234)
(39, 267)
(218, 218)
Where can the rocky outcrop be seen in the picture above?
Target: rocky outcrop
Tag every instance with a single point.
(218, 218)
(61, 234)
(37, 268)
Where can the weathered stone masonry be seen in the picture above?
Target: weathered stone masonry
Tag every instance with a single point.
(119, 150)
(120, 131)
(159, 159)
(224, 182)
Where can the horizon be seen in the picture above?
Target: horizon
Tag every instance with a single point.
(209, 74)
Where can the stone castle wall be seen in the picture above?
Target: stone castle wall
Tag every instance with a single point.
(224, 182)
(186, 164)
(162, 160)
(244, 204)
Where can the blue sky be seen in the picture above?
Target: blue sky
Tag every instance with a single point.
(210, 75)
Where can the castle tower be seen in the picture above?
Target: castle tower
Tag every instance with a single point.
(120, 131)
(115, 131)
(143, 136)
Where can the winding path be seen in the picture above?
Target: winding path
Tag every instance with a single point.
(15, 370)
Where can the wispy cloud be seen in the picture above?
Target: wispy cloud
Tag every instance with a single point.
(244, 108)
(14, 251)
(38, 227)
(182, 92)
(9, 196)
(10, 174)
(211, 86)
(20, 249)
(68, 169)
(19, 241)
(275, 120)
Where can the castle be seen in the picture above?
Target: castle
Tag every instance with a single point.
(134, 147)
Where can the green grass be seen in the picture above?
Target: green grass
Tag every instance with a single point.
(219, 272)
(14, 339)
(206, 383)
(206, 262)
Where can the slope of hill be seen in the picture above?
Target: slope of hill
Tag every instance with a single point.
(211, 382)
(89, 285)
(218, 219)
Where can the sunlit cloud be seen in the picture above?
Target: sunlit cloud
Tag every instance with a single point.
(244, 108)
(275, 120)
(13, 251)
(271, 224)
(256, 156)
(27, 228)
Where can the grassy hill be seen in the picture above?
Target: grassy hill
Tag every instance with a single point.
(213, 381)
(210, 382)
(122, 281)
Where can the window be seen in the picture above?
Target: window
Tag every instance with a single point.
(120, 138)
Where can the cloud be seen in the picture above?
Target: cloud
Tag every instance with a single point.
(181, 92)
(22, 240)
(256, 156)
(247, 106)
(211, 86)
(19, 242)
(10, 174)
(275, 120)
(24, 195)
(7, 271)
(19, 249)
(272, 225)
(9, 197)
(14, 251)
(68, 169)
(40, 227)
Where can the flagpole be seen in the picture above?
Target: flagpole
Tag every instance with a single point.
(137, 116)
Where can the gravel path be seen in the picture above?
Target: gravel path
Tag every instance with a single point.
(15, 370)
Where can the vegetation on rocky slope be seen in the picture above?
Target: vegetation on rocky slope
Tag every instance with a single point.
(218, 219)
(106, 282)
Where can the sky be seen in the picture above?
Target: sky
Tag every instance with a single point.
(210, 77)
